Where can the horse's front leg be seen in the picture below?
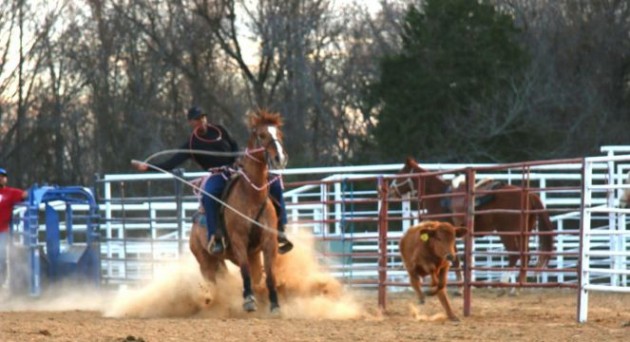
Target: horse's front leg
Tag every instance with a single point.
(249, 301)
(270, 251)
(240, 258)
(257, 274)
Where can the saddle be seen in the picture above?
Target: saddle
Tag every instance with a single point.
(221, 232)
(484, 184)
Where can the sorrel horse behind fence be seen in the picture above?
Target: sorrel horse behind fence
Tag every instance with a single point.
(246, 203)
(624, 200)
(504, 212)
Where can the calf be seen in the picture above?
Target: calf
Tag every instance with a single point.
(428, 249)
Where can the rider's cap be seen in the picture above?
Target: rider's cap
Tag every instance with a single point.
(195, 113)
(3, 172)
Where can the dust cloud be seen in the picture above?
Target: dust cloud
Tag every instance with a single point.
(415, 313)
(59, 297)
(306, 291)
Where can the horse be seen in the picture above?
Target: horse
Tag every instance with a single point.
(624, 200)
(248, 201)
(504, 197)
(426, 249)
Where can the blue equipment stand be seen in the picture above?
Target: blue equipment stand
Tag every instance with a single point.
(34, 265)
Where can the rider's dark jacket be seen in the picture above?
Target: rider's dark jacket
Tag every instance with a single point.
(215, 139)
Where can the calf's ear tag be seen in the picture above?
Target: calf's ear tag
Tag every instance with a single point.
(424, 237)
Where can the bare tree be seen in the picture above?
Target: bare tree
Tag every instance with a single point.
(579, 52)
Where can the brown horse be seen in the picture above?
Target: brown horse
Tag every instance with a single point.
(248, 202)
(505, 197)
(427, 249)
(624, 200)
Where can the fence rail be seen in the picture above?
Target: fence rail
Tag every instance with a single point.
(146, 218)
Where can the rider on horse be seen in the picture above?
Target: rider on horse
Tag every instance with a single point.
(215, 138)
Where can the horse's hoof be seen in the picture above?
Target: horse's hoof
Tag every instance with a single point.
(250, 304)
(456, 293)
(421, 301)
(275, 309)
(454, 319)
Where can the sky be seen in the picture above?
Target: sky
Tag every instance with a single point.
(46, 6)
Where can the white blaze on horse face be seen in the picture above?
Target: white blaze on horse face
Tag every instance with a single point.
(625, 195)
(457, 181)
(282, 160)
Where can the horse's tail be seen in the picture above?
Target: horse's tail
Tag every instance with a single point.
(544, 225)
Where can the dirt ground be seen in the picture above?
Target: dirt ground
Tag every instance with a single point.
(535, 315)
(179, 305)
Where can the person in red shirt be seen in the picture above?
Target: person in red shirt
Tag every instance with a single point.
(8, 198)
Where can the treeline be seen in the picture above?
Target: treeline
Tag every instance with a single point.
(85, 86)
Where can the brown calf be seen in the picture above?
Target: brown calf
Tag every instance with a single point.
(427, 249)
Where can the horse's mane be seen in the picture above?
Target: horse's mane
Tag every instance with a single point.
(264, 117)
(416, 168)
(413, 164)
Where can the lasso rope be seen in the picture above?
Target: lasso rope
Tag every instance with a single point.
(199, 189)
(208, 153)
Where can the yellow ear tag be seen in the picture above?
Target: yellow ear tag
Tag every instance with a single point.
(424, 237)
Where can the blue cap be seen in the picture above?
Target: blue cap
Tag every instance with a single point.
(195, 113)
(3, 171)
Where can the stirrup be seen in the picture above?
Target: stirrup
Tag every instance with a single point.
(284, 245)
(215, 246)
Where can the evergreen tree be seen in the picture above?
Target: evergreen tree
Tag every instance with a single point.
(455, 53)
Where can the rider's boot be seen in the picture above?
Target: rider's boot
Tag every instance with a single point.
(215, 245)
(284, 245)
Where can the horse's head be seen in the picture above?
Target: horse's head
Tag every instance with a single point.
(266, 137)
(624, 200)
(458, 182)
(402, 186)
(457, 204)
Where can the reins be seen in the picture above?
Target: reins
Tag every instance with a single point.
(248, 154)
(256, 187)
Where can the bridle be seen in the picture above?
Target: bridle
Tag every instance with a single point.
(248, 154)
(262, 147)
(396, 187)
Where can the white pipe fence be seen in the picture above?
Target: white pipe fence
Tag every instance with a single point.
(322, 209)
(146, 221)
(604, 248)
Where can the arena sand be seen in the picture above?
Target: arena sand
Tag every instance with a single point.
(306, 291)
